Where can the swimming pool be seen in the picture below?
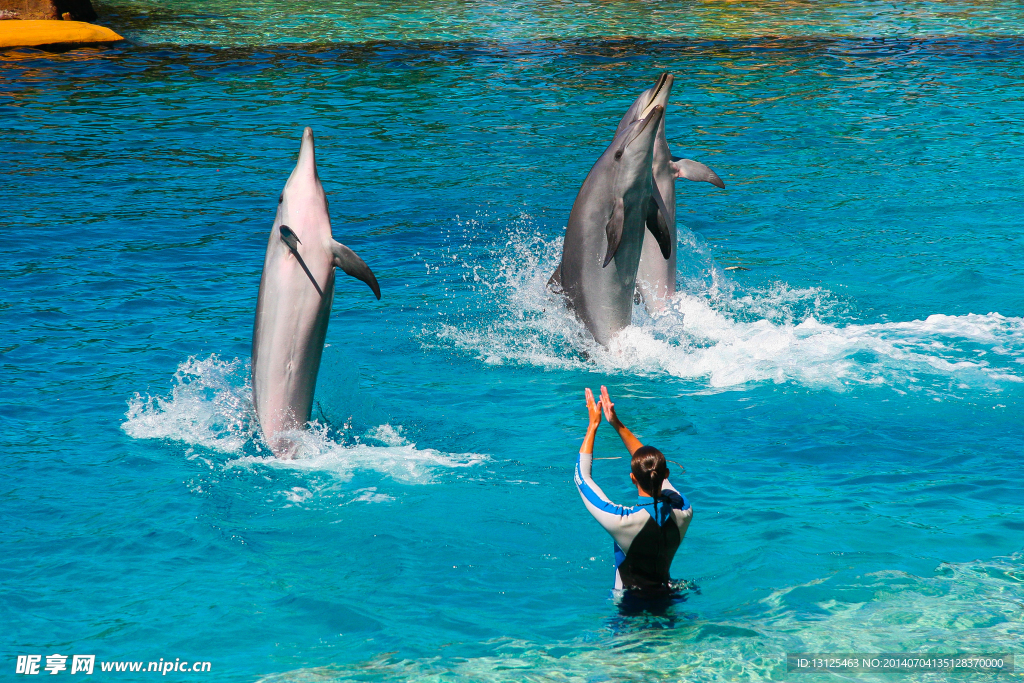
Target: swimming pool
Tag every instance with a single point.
(848, 410)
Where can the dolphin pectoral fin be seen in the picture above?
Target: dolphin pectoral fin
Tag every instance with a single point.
(659, 227)
(289, 237)
(349, 261)
(656, 196)
(694, 170)
(292, 240)
(555, 282)
(614, 230)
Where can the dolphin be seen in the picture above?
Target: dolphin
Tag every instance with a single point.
(606, 227)
(656, 276)
(294, 303)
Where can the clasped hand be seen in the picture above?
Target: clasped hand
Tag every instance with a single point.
(605, 405)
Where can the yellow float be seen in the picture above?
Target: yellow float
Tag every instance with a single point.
(36, 33)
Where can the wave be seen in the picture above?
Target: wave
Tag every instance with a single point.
(210, 407)
(714, 331)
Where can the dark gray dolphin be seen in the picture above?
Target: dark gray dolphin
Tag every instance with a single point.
(606, 230)
(294, 303)
(656, 276)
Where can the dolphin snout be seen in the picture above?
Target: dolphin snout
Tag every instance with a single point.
(659, 93)
(664, 82)
(638, 127)
(653, 116)
(307, 153)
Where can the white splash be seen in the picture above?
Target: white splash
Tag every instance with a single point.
(210, 406)
(396, 458)
(715, 332)
(370, 495)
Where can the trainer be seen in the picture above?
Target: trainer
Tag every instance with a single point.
(647, 534)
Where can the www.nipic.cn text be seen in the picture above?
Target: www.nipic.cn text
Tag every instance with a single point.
(87, 664)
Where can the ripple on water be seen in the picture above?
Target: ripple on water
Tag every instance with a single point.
(224, 23)
(972, 607)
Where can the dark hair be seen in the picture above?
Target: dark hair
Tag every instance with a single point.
(650, 470)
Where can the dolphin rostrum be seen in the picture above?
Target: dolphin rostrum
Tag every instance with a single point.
(606, 226)
(656, 276)
(294, 303)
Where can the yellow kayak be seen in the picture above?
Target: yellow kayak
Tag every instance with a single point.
(30, 33)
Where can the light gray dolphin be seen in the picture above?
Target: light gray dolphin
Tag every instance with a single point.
(606, 230)
(294, 303)
(656, 276)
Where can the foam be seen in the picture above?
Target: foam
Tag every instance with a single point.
(967, 608)
(714, 331)
(210, 407)
(396, 457)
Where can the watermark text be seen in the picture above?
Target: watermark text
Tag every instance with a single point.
(899, 662)
(32, 665)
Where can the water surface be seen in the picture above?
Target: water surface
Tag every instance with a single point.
(847, 410)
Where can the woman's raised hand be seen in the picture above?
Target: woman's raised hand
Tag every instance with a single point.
(593, 408)
(609, 407)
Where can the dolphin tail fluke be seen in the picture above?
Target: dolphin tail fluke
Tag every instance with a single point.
(349, 261)
(614, 230)
(694, 170)
(659, 227)
(555, 281)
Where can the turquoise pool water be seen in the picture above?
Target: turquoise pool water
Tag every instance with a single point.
(848, 410)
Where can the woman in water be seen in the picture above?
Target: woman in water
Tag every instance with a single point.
(647, 534)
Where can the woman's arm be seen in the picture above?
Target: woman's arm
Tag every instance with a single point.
(614, 518)
(628, 439)
(594, 410)
(593, 496)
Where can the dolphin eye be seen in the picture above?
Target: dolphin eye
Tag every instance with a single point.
(618, 154)
(280, 198)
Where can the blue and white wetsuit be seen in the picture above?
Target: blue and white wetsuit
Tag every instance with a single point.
(646, 536)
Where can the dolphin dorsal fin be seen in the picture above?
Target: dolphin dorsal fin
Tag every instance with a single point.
(555, 281)
(349, 261)
(694, 170)
(614, 230)
(658, 226)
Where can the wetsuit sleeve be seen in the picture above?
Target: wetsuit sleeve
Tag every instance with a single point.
(611, 516)
(682, 513)
(676, 500)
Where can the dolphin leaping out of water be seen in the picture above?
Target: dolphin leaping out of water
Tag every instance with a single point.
(294, 303)
(656, 276)
(606, 227)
